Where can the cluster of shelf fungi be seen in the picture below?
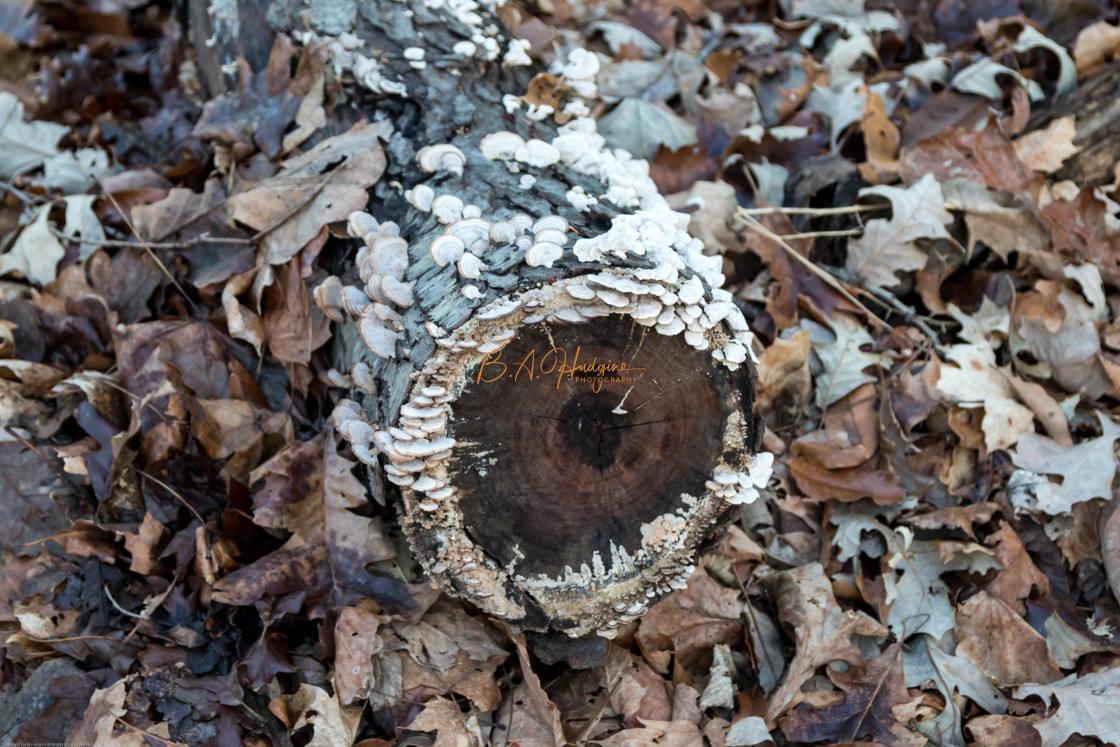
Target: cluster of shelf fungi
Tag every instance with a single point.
(568, 427)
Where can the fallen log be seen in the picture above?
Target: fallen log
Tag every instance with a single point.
(1096, 104)
(545, 365)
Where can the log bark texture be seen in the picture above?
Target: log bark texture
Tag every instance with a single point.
(1096, 104)
(565, 435)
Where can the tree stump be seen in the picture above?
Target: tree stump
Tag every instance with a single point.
(544, 363)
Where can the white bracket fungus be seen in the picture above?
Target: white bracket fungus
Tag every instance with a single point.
(442, 157)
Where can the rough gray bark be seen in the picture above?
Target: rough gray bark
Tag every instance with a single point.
(648, 544)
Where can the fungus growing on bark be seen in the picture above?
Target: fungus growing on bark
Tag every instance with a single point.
(501, 146)
(573, 468)
(566, 425)
(442, 157)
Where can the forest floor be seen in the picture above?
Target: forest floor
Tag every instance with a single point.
(935, 561)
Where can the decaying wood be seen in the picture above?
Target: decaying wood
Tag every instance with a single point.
(564, 400)
(1096, 104)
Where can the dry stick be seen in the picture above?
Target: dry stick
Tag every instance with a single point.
(846, 210)
(171, 490)
(175, 228)
(67, 639)
(122, 610)
(148, 734)
(138, 400)
(151, 253)
(748, 610)
(908, 312)
(585, 732)
(829, 280)
(51, 462)
(818, 234)
(25, 197)
(307, 201)
(204, 238)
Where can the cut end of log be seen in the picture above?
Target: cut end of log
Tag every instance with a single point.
(563, 453)
(579, 436)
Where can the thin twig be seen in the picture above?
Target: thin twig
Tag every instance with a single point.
(204, 238)
(171, 490)
(295, 209)
(829, 280)
(176, 227)
(119, 608)
(909, 313)
(845, 210)
(52, 462)
(159, 263)
(26, 197)
(592, 722)
(148, 734)
(70, 639)
(818, 234)
(748, 610)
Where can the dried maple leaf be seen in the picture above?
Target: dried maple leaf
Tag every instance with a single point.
(324, 561)
(1019, 575)
(1002, 644)
(532, 719)
(918, 596)
(1086, 470)
(887, 246)
(321, 186)
(975, 380)
(926, 662)
(142, 544)
(1087, 705)
(996, 219)
(1059, 328)
(823, 629)
(1045, 150)
(843, 362)
(873, 694)
(332, 723)
(691, 621)
(267, 658)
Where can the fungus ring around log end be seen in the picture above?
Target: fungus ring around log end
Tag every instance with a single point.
(565, 451)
